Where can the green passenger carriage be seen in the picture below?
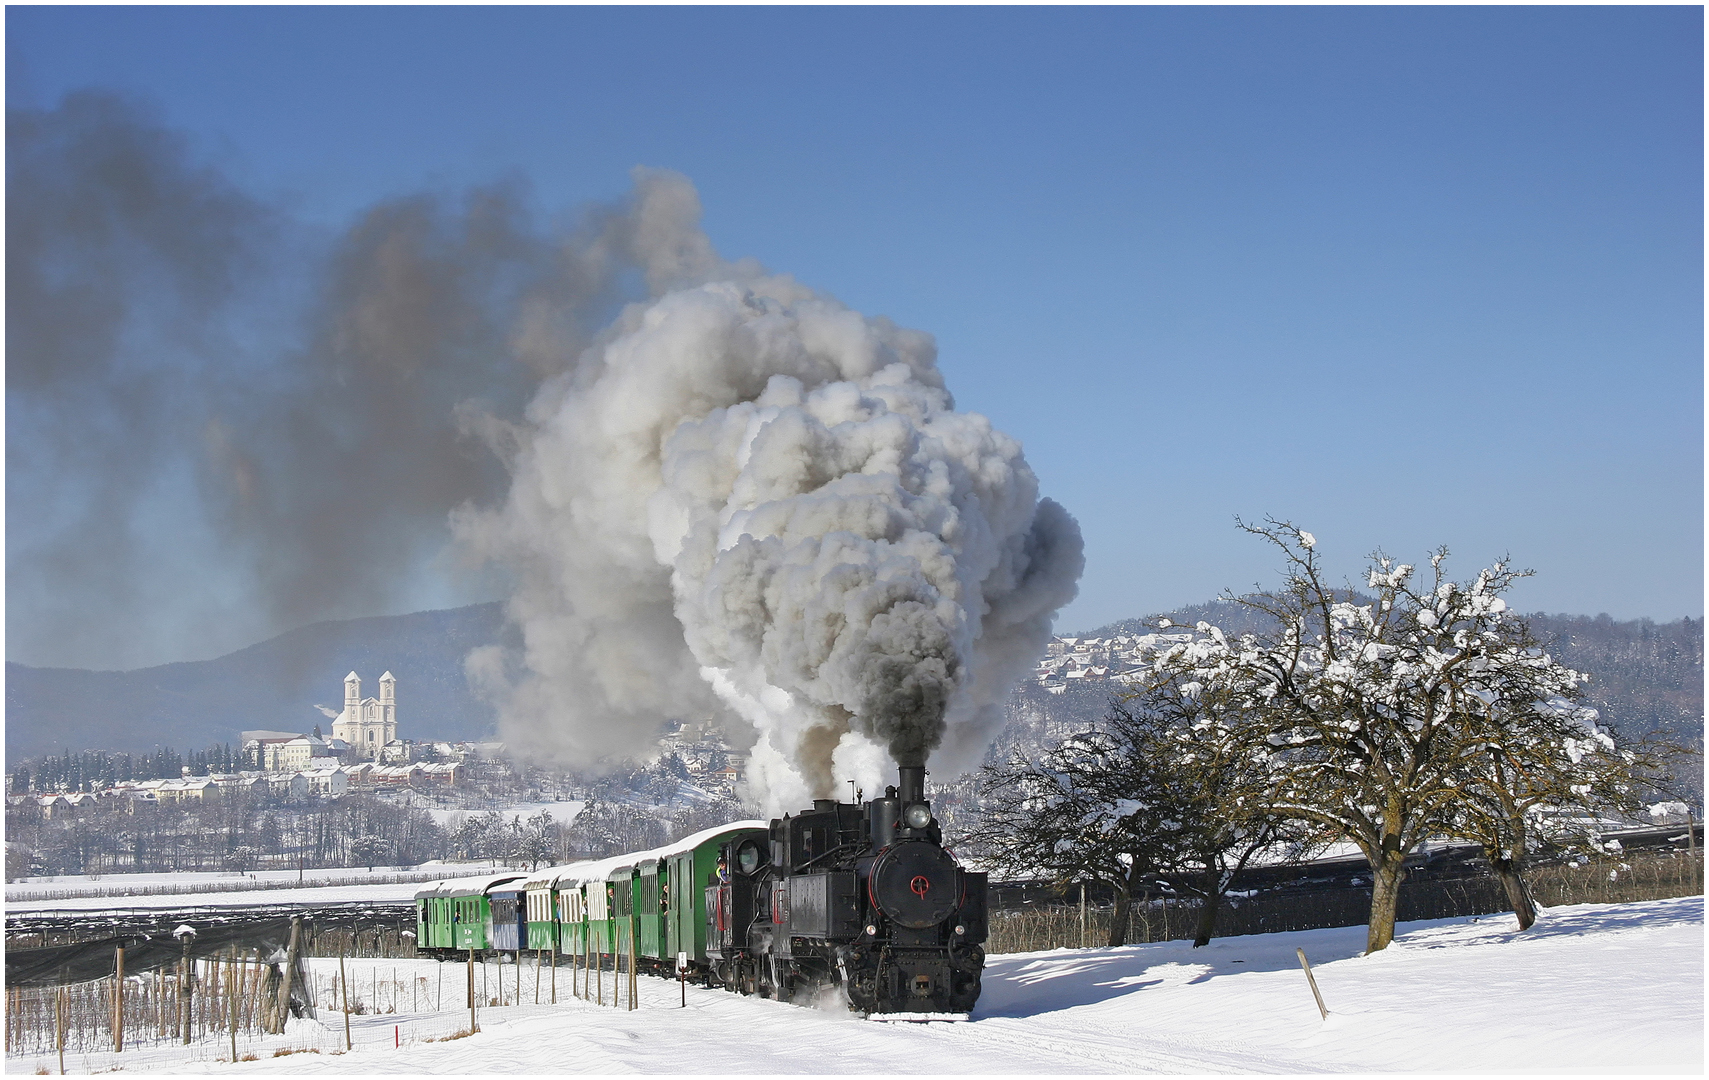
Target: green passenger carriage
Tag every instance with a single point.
(455, 916)
(657, 897)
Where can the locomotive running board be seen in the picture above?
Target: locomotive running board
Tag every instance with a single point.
(918, 1017)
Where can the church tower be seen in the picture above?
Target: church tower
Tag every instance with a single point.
(389, 706)
(368, 724)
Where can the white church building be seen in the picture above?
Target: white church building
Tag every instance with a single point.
(368, 724)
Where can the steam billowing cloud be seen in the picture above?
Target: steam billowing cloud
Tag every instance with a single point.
(747, 488)
(708, 490)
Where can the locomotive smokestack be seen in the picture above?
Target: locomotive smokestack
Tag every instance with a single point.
(911, 787)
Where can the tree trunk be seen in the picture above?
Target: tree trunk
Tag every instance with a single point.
(1385, 894)
(1513, 884)
(1211, 892)
(1124, 906)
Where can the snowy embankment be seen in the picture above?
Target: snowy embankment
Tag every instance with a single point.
(183, 890)
(1591, 988)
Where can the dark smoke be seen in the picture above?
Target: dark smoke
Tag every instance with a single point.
(215, 433)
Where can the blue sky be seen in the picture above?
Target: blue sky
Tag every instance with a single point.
(1408, 276)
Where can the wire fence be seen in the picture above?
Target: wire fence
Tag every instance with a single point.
(217, 998)
(343, 1003)
(362, 942)
(1646, 876)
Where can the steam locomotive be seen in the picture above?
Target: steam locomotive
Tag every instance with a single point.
(861, 896)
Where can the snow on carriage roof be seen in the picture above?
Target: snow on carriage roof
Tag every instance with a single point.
(600, 869)
(467, 886)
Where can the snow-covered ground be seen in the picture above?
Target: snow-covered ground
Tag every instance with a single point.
(324, 894)
(214, 881)
(1591, 988)
(72, 893)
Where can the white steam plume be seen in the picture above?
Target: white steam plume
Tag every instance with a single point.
(747, 494)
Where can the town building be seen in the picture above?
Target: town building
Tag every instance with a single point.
(292, 755)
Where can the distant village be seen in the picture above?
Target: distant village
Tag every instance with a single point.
(1070, 661)
(362, 751)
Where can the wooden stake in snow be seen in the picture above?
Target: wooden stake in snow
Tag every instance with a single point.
(344, 991)
(186, 935)
(232, 981)
(119, 1000)
(1082, 914)
(1313, 981)
(291, 954)
(472, 1027)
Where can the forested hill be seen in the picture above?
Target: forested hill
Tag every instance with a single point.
(1644, 676)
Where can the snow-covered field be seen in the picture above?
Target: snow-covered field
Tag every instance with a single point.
(1592, 988)
(561, 812)
(225, 889)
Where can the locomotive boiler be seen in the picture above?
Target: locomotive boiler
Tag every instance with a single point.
(861, 897)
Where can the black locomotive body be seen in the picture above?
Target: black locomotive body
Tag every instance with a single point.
(857, 896)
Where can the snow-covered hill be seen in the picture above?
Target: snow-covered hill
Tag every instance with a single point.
(1614, 988)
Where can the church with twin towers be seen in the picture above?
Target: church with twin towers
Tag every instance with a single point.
(368, 724)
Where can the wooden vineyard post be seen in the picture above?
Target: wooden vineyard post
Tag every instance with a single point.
(59, 1026)
(233, 982)
(290, 970)
(518, 1001)
(119, 1000)
(554, 969)
(1313, 981)
(344, 991)
(634, 979)
(472, 990)
(1082, 914)
(537, 962)
(186, 972)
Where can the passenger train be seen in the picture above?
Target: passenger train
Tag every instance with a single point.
(862, 897)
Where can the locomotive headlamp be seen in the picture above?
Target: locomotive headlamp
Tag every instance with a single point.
(917, 816)
(961, 929)
(871, 930)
